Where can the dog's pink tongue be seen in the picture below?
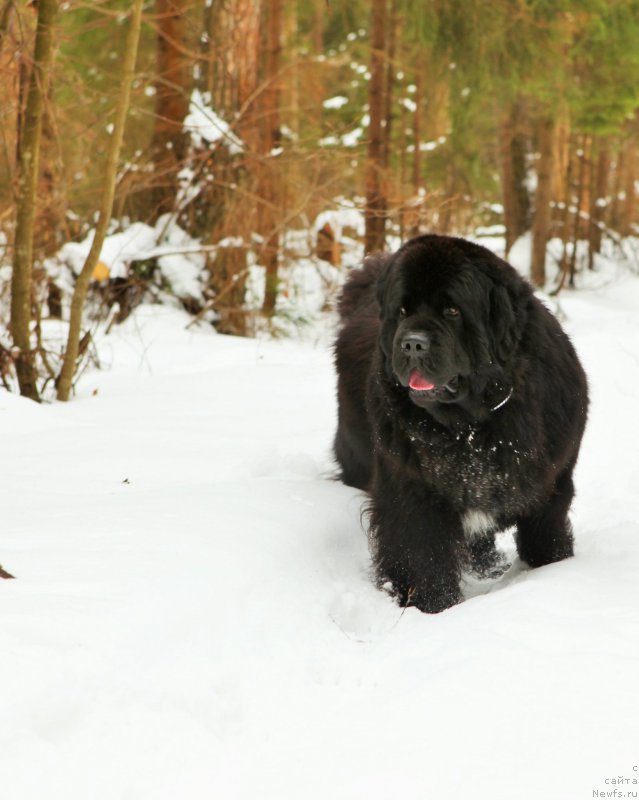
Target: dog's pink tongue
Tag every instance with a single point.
(419, 382)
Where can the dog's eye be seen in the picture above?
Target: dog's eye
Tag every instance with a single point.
(451, 311)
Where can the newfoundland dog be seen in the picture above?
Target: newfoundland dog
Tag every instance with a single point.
(462, 404)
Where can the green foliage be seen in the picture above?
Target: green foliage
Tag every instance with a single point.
(421, 23)
(583, 53)
(605, 59)
(578, 59)
(91, 45)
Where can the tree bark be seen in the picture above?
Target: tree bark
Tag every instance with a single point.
(543, 199)
(565, 220)
(239, 55)
(417, 127)
(515, 194)
(598, 200)
(65, 378)
(628, 208)
(375, 211)
(28, 169)
(389, 85)
(581, 189)
(270, 190)
(232, 62)
(171, 103)
(317, 33)
(617, 183)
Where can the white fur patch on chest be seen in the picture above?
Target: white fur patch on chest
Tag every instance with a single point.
(477, 523)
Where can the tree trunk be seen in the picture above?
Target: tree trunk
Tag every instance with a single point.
(171, 103)
(230, 74)
(414, 218)
(375, 211)
(565, 220)
(291, 98)
(28, 169)
(69, 364)
(317, 33)
(389, 85)
(205, 72)
(242, 53)
(270, 189)
(543, 199)
(563, 156)
(617, 183)
(403, 119)
(598, 200)
(417, 128)
(628, 208)
(515, 194)
(228, 280)
(581, 189)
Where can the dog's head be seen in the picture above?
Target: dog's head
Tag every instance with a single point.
(451, 315)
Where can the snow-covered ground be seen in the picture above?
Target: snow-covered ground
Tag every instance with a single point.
(193, 615)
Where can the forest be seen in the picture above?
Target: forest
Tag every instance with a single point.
(192, 602)
(241, 140)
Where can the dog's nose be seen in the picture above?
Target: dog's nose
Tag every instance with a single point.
(415, 343)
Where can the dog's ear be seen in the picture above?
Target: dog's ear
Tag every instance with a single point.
(505, 323)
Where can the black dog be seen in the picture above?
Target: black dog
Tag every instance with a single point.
(462, 404)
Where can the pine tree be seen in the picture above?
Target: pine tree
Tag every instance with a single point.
(375, 212)
(172, 82)
(269, 188)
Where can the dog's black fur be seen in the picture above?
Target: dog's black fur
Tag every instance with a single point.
(488, 434)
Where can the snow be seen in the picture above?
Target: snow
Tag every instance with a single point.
(180, 259)
(349, 139)
(335, 102)
(328, 141)
(193, 613)
(345, 214)
(117, 251)
(204, 125)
